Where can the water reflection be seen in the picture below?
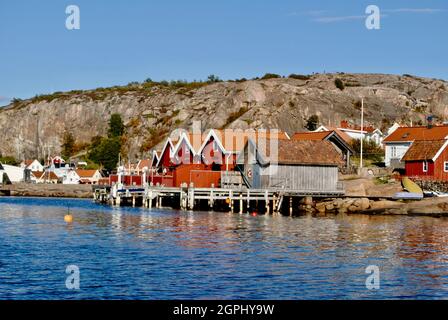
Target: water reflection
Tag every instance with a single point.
(163, 254)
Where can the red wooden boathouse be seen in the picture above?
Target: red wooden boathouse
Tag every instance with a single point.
(427, 160)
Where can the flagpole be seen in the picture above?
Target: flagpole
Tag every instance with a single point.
(362, 131)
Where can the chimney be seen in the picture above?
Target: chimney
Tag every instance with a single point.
(429, 121)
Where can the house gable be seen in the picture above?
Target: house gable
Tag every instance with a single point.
(184, 152)
(165, 155)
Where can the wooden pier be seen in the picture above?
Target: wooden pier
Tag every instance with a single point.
(242, 200)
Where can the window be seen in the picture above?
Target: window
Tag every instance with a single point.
(425, 166)
(445, 166)
(393, 152)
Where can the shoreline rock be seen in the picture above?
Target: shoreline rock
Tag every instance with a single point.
(47, 190)
(434, 207)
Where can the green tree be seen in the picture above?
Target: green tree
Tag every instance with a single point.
(270, 76)
(370, 149)
(312, 123)
(116, 126)
(68, 145)
(212, 78)
(8, 160)
(94, 152)
(108, 152)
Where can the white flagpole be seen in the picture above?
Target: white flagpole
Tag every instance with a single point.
(362, 130)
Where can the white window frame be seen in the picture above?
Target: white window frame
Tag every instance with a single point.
(445, 168)
(393, 151)
(425, 166)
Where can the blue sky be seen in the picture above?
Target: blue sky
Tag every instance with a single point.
(123, 41)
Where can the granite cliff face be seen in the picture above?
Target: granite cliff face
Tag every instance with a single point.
(34, 127)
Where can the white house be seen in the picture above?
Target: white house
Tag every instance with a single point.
(70, 177)
(369, 133)
(56, 162)
(15, 174)
(82, 176)
(33, 165)
(88, 176)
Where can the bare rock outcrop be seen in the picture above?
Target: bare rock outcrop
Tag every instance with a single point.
(34, 127)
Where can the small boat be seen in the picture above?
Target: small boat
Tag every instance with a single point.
(411, 186)
(408, 196)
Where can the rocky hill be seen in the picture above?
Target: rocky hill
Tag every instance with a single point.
(34, 127)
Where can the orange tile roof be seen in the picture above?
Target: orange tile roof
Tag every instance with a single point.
(342, 134)
(321, 135)
(368, 129)
(234, 140)
(143, 163)
(47, 175)
(409, 134)
(85, 173)
(28, 162)
(423, 150)
(37, 174)
(303, 152)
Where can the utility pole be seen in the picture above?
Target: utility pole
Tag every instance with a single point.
(362, 131)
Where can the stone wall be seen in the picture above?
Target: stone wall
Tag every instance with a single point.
(47, 190)
(439, 186)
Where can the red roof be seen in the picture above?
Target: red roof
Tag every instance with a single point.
(143, 163)
(409, 134)
(346, 125)
(321, 135)
(37, 174)
(28, 162)
(47, 175)
(311, 135)
(423, 150)
(86, 173)
(234, 140)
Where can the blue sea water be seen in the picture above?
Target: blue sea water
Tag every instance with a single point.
(133, 253)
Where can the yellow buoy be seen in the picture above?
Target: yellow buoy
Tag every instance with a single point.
(68, 218)
(228, 200)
